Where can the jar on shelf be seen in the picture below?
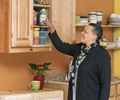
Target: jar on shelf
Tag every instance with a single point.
(92, 17)
(41, 2)
(99, 17)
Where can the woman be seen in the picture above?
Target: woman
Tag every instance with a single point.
(91, 74)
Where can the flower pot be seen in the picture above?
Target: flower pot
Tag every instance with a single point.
(41, 79)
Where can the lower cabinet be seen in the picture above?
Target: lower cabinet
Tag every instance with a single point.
(58, 85)
(115, 92)
(112, 98)
(118, 97)
(54, 95)
(118, 91)
(112, 91)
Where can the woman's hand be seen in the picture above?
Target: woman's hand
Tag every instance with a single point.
(50, 25)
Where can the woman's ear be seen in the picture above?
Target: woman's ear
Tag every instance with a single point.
(94, 38)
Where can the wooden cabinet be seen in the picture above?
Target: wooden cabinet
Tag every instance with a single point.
(112, 91)
(21, 13)
(115, 92)
(51, 95)
(118, 89)
(16, 29)
(58, 85)
(112, 98)
(118, 98)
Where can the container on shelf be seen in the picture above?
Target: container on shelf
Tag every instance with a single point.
(92, 17)
(99, 17)
(43, 16)
(42, 2)
(77, 19)
(34, 17)
(84, 19)
(36, 36)
(43, 37)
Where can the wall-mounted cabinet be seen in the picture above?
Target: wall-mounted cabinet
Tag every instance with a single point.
(16, 28)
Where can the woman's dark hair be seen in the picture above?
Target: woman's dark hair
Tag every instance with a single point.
(97, 29)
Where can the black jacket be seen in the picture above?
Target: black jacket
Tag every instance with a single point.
(94, 73)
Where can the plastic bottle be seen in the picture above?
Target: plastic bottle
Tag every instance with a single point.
(43, 14)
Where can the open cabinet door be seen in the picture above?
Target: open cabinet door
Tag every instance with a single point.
(63, 18)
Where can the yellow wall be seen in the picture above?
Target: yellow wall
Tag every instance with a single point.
(116, 34)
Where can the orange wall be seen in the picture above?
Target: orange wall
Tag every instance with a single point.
(15, 72)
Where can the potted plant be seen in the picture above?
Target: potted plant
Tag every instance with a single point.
(40, 69)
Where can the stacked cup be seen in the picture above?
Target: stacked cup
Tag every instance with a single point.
(36, 36)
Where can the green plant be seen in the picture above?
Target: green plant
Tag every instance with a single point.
(40, 68)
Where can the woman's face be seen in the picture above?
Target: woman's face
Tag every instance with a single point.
(88, 37)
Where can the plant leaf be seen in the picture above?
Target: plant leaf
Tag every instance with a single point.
(33, 66)
(46, 67)
(47, 63)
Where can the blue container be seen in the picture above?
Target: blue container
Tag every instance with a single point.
(43, 37)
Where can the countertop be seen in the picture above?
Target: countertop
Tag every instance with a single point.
(114, 80)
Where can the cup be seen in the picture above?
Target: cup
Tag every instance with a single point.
(34, 85)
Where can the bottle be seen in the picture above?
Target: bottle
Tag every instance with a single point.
(34, 17)
(43, 14)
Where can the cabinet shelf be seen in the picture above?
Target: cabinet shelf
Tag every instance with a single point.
(79, 25)
(108, 48)
(41, 6)
(31, 49)
(41, 45)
